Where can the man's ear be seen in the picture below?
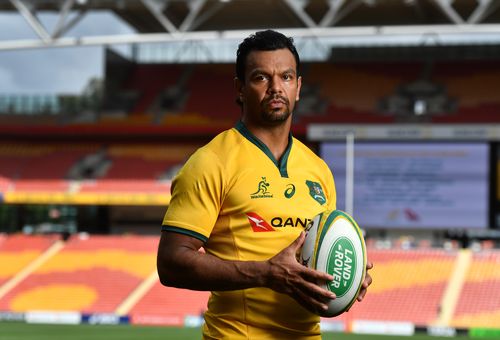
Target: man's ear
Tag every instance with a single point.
(238, 86)
(299, 85)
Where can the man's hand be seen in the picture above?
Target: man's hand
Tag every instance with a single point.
(367, 282)
(288, 276)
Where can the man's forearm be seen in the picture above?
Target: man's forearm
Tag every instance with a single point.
(194, 270)
(181, 265)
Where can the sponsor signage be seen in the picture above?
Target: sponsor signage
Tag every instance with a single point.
(442, 331)
(104, 319)
(165, 320)
(69, 318)
(383, 327)
(332, 326)
(11, 316)
(479, 132)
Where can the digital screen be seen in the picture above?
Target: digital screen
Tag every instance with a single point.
(414, 185)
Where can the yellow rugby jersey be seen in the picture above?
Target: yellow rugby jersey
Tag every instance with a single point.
(233, 195)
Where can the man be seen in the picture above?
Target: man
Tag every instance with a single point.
(246, 197)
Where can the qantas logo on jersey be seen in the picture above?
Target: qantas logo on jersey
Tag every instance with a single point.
(279, 222)
(258, 224)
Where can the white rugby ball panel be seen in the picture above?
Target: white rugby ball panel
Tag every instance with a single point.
(309, 247)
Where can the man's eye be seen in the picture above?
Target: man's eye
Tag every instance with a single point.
(287, 77)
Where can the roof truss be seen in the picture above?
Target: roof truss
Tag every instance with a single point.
(306, 23)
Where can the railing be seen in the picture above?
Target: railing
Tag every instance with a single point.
(41, 104)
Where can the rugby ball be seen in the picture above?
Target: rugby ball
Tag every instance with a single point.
(334, 244)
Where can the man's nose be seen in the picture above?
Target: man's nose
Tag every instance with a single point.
(275, 85)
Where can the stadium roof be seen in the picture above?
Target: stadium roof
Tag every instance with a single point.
(353, 23)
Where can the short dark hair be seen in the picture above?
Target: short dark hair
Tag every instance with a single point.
(267, 40)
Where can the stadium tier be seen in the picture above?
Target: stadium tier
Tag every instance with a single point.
(147, 81)
(40, 185)
(474, 86)
(145, 161)
(19, 251)
(91, 274)
(479, 305)
(350, 92)
(198, 100)
(85, 174)
(166, 305)
(124, 186)
(369, 92)
(117, 275)
(222, 108)
(39, 161)
(408, 285)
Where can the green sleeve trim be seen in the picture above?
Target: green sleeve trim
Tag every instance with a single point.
(185, 232)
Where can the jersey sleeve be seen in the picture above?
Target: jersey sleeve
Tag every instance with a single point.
(196, 196)
(331, 191)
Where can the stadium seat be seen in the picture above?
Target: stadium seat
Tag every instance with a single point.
(90, 274)
(407, 286)
(479, 305)
(167, 305)
(17, 251)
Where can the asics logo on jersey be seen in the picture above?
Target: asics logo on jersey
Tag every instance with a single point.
(262, 190)
(290, 191)
(257, 223)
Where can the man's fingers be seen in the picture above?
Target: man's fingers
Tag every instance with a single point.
(316, 275)
(311, 302)
(299, 241)
(361, 294)
(318, 291)
(366, 283)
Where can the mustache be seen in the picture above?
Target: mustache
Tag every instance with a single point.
(276, 97)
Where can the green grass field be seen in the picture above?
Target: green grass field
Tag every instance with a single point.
(23, 331)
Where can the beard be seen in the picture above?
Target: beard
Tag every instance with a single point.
(275, 115)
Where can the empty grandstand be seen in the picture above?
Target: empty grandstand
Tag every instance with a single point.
(407, 91)
(116, 275)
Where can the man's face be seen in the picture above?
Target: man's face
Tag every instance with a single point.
(271, 86)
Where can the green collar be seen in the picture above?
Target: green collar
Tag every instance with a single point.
(282, 164)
